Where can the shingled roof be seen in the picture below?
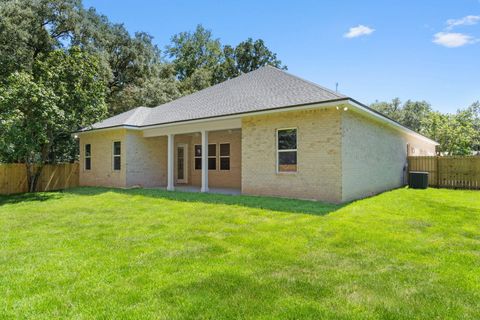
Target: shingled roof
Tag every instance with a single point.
(263, 89)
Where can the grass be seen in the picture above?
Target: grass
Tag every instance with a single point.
(143, 254)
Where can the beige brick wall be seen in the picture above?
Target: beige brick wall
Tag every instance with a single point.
(319, 155)
(374, 156)
(341, 156)
(102, 173)
(146, 161)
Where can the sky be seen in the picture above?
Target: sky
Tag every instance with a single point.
(375, 50)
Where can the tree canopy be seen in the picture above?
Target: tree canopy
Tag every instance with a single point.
(40, 109)
(458, 134)
(200, 60)
(136, 71)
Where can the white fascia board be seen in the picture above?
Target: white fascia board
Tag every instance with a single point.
(212, 125)
(126, 127)
(390, 122)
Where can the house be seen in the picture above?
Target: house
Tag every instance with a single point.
(266, 132)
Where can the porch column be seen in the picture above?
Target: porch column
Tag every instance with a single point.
(170, 159)
(204, 161)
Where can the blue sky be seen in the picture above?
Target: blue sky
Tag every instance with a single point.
(376, 50)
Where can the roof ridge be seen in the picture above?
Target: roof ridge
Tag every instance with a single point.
(339, 95)
(134, 113)
(139, 115)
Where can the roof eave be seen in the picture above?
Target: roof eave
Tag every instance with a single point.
(354, 103)
(115, 127)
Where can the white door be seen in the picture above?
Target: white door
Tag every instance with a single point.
(182, 163)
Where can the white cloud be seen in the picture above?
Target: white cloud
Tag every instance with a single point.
(465, 21)
(453, 39)
(358, 31)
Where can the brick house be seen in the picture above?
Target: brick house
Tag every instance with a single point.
(266, 132)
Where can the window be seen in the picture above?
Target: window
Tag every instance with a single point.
(225, 156)
(198, 157)
(88, 157)
(212, 157)
(287, 150)
(117, 151)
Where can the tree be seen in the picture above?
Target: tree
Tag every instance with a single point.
(411, 114)
(200, 60)
(393, 109)
(191, 51)
(457, 134)
(29, 29)
(247, 56)
(414, 114)
(64, 92)
(251, 55)
(228, 66)
(454, 132)
(474, 111)
(150, 92)
(133, 63)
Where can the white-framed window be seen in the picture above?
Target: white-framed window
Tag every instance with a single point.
(117, 158)
(287, 150)
(88, 156)
(224, 156)
(198, 156)
(212, 156)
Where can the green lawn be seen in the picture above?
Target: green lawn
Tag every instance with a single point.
(142, 254)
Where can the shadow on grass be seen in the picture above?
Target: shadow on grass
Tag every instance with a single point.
(269, 203)
(28, 197)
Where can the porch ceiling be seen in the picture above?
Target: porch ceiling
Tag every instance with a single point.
(212, 125)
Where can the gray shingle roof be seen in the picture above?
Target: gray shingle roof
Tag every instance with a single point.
(134, 117)
(263, 89)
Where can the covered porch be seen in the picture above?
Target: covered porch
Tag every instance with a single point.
(204, 157)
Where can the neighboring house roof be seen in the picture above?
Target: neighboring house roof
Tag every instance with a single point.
(263, 89)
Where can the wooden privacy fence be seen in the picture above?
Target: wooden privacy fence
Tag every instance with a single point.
(13, 177)
(449, 171)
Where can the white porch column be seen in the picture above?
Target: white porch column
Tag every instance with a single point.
(170, 160)
(204, 161)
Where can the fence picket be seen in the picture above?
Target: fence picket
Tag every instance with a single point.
(13, 177)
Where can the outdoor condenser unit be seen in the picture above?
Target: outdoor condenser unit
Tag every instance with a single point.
(418, 180)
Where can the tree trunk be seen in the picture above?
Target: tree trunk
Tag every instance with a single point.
(33, 174)
(34, 170)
